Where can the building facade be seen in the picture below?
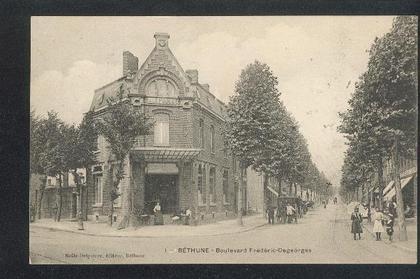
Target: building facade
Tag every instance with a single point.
(408, 175)
(183, 163)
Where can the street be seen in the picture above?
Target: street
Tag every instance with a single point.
(322, 236)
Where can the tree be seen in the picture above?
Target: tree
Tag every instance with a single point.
(121, 125)
(252, 112)
(50, 140)
(383, 110)
(82, 143)
(38, 138)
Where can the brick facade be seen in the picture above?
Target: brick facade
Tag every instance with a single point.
(174, 99)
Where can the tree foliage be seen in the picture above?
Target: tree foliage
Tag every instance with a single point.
(263, 134)
(384, 104)
(120, 126)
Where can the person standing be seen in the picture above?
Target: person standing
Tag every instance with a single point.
(271, 215)
(378, 228)
(389, 225)
(158, 214)
(289, 212)
(356, 223)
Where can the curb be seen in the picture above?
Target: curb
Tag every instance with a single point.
(392, 244)
(141, 236)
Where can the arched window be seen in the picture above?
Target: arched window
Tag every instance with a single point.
(161, 87)
(161, 129)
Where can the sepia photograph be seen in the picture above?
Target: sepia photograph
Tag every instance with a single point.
(223, 140)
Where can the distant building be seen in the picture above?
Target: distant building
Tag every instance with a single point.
(49, 197)
(184, 163)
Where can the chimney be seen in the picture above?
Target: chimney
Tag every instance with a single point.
(130, 63)
(206, 86)
(161, 40)
(193, 75)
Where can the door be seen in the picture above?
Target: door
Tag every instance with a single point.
(163, 189)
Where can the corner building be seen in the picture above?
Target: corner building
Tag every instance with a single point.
(183, 162)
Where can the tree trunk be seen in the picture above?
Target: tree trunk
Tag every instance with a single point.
(265, 196)
(295, 190)
(380, 183)
(397, 185)
(241, 184)
(41, 195)
(357, 193)
(60, 198)
(290, 188)
(86, 206)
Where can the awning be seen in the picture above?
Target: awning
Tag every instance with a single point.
(388, 187)
(404, 182)
(164, 154)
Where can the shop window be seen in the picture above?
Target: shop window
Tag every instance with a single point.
(161, 129)
(212, 185)
(225, 187)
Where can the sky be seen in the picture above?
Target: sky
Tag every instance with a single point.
(317, 60)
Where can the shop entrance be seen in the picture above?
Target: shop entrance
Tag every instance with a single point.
(162, 188)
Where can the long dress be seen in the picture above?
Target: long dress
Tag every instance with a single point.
(377, 226)
(356, 224)
(158, 215)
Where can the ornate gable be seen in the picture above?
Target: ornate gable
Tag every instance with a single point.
(161, 74)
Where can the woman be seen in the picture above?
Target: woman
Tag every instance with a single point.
(158, 214)
(356, 224)
(377, 226)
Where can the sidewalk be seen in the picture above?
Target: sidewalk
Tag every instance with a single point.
(410, 245)
(104, 230)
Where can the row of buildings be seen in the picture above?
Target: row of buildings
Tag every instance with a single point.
(408, 175)
(183, 163)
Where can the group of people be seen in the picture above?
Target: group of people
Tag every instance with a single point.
(285, 212)
(383, 221)
(184, 215)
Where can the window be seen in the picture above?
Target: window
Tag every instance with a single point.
(161, 131)
(201, 186)
(212, 184)
(100, 143)
(161, 88)
(212, 139)
(225, 187)
(98, 189)
(201, 133)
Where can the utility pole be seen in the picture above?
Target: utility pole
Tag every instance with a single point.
(397, 185)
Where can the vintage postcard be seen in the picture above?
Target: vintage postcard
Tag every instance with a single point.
(263, 139)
